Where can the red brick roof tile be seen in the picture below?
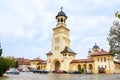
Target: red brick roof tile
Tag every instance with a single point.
(37, 59)
(82, 60)
(22, 61)
(102, 52)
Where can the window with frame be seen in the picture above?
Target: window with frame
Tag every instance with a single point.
(56, 47)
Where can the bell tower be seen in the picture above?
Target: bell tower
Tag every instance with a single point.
(61, 18)
(61, 55)
(60, 37)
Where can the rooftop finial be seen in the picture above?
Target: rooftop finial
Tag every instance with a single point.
(95, 43)
(61, 8)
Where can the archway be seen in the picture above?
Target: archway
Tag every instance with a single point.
(101, 69)
(90, 67)
(79, 67)
(57, 65)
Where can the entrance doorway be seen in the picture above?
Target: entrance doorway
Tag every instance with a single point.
(57, 65)
(101, 70)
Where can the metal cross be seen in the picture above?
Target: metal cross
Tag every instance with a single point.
(61, 8)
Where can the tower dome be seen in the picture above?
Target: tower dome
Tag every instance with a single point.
(61, 13)
(95, 48)
(89, 53)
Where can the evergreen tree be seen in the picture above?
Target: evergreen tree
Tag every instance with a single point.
(114, 39)
(0, 50)
(12, 61)
(4, 63)
(16, 64)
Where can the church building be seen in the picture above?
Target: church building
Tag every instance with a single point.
(62, 57)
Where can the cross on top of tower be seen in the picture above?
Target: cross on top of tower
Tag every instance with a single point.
(61, 13)
(61, 8)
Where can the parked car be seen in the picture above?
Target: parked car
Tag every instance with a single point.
(89, 72)
(12, 71)
(55, 71)
(40, 71)
(59, 71)
(36, 71)
(75, 72)
(43, 72)
(25, 70)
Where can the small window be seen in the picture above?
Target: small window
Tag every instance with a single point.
(105, 66)
(65, 54)
(98, 66)
(61, 19)
(56, 47)
(69, 54)
(104, 59)
(64, 20)
(58, 20)
(98, 59)
(101, 60)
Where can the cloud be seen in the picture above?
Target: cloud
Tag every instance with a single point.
(26, 25)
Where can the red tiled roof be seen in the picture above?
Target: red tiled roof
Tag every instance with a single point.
(67, 49)
(49, 53)
(82, 60)
(22, 61)
(43, 62)
(37, 59)
(102, 52)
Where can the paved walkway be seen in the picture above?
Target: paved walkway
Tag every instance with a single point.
(51, 76)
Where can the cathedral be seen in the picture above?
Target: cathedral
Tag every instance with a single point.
(62, 57)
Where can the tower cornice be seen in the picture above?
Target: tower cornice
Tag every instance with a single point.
(61, 27)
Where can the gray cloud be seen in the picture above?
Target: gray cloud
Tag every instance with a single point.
(26, 25)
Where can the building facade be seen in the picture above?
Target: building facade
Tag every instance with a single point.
(61, 57)
(23, 63)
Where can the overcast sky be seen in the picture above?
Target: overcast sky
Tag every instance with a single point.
(26, 25)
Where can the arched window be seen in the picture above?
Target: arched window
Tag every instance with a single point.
(79, 67)
(98, 59)
(64, 20)
(105, 66)
(101, 60)
(58, 20)
(104, 59)
(98, 66)
(90, 67)
(61, 19)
